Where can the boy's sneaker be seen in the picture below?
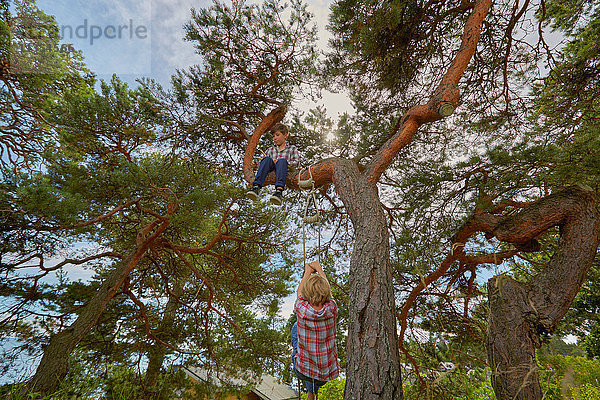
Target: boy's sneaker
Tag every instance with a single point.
(277, 197)
(253, 193)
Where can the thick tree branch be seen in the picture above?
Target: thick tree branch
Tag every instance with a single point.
(478, 223)
(54, 363)
(520, 312)
(541, 303)
(444, 100)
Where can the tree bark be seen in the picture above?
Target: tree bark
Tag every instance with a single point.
(55, 361)
(520, 312)
(373, 370)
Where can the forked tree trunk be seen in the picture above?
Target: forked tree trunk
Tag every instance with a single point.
(520, 312)
(373, 369)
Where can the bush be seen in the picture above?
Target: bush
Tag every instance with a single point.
(332, 390)
(569, 377)
(458, 385)
(586, 392)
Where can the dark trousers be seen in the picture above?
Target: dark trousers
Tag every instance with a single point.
(267, 165)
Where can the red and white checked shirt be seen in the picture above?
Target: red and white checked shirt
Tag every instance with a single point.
(290, 153)
(317, 353)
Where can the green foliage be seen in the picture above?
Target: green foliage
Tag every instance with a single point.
(122, 383)
(251, 30)
(385, 45)
(92, 383)
(568, 15)
(457, 386)
(586, 392)
(34, 51)
(450, 365)
(34, 75)
(582, 319)
(561, 376)
(19, 392)
(332, 390)
(567, 102)
(255, 56)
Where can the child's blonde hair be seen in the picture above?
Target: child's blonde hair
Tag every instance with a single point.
(316, 290)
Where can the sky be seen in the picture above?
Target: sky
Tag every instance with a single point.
(130, 38)
(145, 38)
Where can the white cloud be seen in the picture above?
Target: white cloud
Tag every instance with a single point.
(169, 51)
(160, 49)
(287, 306)
(114, 36)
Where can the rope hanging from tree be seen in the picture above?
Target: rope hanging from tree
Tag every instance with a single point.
(308, 186)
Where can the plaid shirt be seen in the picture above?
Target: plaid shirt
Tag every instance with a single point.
(317, 352)
(290, 153)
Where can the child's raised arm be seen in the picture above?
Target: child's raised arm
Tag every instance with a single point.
(308, 269)
(316, 266)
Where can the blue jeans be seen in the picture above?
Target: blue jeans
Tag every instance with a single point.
(312, 385)
(267, 165)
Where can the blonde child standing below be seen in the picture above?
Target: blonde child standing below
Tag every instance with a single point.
(278, 157)
(314, 353)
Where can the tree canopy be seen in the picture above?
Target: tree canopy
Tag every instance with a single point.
(471, 155)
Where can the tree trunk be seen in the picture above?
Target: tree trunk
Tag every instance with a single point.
(156, 353)
(373, 370)
(55, 361)
(520, 312)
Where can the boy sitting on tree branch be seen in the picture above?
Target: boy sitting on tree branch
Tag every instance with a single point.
(277, 158)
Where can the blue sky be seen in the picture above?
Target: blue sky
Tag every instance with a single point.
(129, 38)
(145, 38)
(138, 38)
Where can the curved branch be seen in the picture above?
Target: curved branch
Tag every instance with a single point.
(447, 93)
(520, 312)
(54, 364)
(478, 223)
(92, 221)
